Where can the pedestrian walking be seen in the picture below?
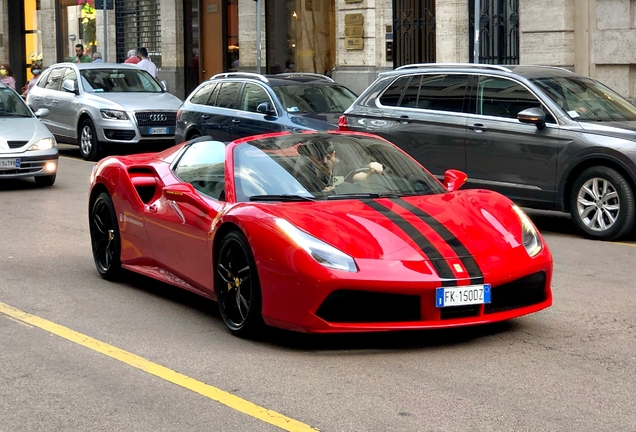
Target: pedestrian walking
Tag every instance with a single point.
(145, 63)
(36, 71)
(97, 57)
(7, 76)
(80, 56)
(132, 57)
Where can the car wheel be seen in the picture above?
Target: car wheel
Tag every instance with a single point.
(193, 135)
(48, 180)
(89, 147)
(602, 204)
(237, 286)
(105, 238)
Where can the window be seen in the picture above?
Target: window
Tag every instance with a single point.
(501, 97)
(119, 80)
(203, 166)
(44, 78)
(253, 96)
(443, 92)
(314, 98)
(391, 96)
(54, 79)
(70, 74)
(202, 94)
(227, 95)
(412, 92)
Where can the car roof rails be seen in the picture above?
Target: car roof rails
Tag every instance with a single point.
(550, 67)
(469, 65)
(240, 75)
(307, 74)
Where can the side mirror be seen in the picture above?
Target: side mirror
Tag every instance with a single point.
(41, 112)
(266, 108)
(534, 116)
(184, 193)
(454, 179)
(164, 85)
(70, 86)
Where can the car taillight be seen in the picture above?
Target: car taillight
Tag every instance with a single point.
(343, 125)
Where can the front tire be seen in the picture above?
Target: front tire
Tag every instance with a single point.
(44, 181)
(237, 286)
(87, 139)
(602, 204)
(105, 237)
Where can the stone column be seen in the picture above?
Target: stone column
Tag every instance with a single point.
(247, 36)
(546, 32)
(48, 32)
(4, 30)
(451, 31)
(172, 49)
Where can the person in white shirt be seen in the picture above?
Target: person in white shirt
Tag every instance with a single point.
(145, 63)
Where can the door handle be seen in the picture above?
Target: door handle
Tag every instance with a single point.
(152, 208)
(478, 127)
(54, 101)
(236, 121)
(405, 119)
(205, 116)
(37, 98)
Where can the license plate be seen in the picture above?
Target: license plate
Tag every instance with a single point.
(158, 131)
(9, 163)
(464, 295)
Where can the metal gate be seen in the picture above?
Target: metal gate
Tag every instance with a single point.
(498, 31)
(138, 24)
(413, 32)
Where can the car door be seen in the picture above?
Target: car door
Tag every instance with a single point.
(219, 120)
(66, 106)
(503, 154)
(195, 108)
(428, 121)
(178, 231)
(252, 122)
(49, 93)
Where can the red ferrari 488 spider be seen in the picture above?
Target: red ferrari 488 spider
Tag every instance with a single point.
(317, 232)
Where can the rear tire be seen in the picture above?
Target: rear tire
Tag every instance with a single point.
(237, 286)
(602, 204)
(87, 139)
(105, 237)
(44, 181)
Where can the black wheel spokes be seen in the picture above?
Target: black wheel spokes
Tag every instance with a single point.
(103, 236)
(235, 286)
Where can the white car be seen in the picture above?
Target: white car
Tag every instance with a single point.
(27, 148)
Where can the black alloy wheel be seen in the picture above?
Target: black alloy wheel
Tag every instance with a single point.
(87, 140)
(237, 286)
(602, 204)
(105, 239)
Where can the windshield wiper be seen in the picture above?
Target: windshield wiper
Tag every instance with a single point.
(283, 197)
(366, 195)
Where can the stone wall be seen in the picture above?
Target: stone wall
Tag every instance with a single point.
(546, 32)
(172, 69)
(451, 31)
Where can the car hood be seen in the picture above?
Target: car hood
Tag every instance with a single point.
(617, 129)
(136, 101)
(481, 221)
(22, 129)
(316, 121)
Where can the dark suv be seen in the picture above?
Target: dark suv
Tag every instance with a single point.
(544, 136)
(238, 104)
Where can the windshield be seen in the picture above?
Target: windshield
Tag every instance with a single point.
(584, 99)
(326, 166)
(11, 105)
(314, 98)
(119, 80)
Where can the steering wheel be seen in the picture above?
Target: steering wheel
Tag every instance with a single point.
(349, 177)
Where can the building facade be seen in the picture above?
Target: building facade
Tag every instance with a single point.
(352, 40)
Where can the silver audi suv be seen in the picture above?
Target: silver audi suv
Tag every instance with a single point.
(96, 105)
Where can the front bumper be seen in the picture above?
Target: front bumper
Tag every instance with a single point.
(140, 128)
(31, 164)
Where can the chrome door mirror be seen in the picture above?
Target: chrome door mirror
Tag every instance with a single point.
(41, 112)
(70, 86)
(535, 116)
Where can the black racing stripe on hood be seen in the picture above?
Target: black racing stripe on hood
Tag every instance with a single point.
(458, 247)
(442, 268)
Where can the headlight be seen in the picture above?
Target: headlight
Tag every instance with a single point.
(43, 144)
(114, 115)
(325, 254)
(531, 240)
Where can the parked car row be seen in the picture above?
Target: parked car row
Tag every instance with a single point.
(543, 136)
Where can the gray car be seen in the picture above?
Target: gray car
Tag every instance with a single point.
(96, 105)
(545, 137)
(27, 148)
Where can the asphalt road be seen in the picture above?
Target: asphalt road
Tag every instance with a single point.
(568, 368)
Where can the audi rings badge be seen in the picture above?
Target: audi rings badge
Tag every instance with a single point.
(158, 117)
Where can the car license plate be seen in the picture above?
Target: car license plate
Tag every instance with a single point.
(9, 163)
(158, 131)
(462, 295)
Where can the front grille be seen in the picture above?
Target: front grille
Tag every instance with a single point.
(16, 144)
(119, 135)
(454, 312)
(156, 118)
(26, 167)
(523, 292)
(367, 307)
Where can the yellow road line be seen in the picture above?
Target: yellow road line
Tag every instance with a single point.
(625, 244)
(223, 397)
